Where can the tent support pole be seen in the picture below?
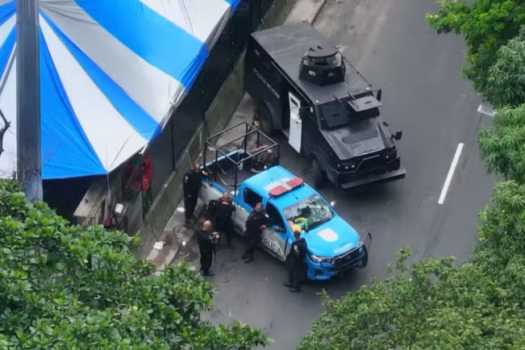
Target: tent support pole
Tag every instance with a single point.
(29, 167)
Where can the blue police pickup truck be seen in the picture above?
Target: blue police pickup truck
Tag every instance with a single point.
(333, 245)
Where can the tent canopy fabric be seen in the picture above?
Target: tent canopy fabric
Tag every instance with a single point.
(110, 73)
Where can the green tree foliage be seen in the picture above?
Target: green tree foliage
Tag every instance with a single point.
(502, 145)
(486, 26)
(506, 79)
(66, 287)
(435, 305)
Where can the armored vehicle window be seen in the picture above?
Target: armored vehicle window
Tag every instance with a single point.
(275, 218)
(362, 130)
(251, 198)
(335, 114)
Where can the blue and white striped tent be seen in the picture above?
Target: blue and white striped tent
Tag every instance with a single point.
(110, 72)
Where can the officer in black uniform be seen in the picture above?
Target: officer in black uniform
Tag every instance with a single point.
(223, 218)
(256, 223)
(207, 241)
(296, 261)
(191, 187)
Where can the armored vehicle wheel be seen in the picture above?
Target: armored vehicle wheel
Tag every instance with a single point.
(318, 174)
(265, 120)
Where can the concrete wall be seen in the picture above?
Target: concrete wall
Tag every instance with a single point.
(217, 117)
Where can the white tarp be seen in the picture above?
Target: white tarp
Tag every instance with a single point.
(110, 72)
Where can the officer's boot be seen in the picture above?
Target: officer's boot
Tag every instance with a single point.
(295, 287)
(249, 258)
(289, 284)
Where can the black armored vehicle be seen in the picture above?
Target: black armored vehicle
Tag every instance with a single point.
(305, 88)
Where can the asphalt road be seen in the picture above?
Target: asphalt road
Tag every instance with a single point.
(426, 97)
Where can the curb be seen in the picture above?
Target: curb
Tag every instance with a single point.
(305, 11)
(318, 11)
(171, 242)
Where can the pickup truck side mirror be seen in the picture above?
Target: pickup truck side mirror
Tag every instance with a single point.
(397, 136)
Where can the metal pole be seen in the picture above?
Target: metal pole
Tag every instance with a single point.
(173, 162)
(216, 164)
(29, 169)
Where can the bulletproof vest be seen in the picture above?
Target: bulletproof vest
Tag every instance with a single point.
(224, 211)
(299, 246)
(255, 221)
(194, 181)
(203, 240)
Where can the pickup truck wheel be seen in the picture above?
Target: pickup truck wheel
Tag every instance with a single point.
(318, 174)
(265, 120)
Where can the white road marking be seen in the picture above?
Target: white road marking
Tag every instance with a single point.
(450, 174)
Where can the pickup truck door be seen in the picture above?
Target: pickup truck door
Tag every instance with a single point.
(296, 124)
(275, 237)
(243, 209)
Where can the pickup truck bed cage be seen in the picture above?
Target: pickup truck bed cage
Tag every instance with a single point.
(246, 137)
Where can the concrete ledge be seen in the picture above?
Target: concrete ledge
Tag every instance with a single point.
(306, 10)
(216, 118)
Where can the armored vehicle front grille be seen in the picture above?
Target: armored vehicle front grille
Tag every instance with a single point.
(371, 163)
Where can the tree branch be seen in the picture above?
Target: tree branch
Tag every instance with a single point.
(3, 130)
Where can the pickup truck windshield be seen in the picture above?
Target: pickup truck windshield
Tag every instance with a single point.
(310, 212)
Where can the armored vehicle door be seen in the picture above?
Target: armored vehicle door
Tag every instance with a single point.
(296, 124)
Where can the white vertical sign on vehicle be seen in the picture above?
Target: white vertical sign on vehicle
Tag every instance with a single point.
(296, 124)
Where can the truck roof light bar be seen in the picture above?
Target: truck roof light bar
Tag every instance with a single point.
(286, 187)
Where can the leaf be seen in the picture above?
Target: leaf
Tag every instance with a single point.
(49, 298)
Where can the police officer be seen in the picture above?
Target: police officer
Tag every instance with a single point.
(223, 218)
(207, 241)
(191, 187)
(256, 223)
(296, 261)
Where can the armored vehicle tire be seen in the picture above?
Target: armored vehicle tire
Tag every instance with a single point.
(265, 120)
(318, 173)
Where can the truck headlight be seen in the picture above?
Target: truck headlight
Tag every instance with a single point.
(391, 155)
(350, 165)
(318, 259)
(360, 246)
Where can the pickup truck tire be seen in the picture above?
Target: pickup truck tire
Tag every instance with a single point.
(265, 119)
(318, 174)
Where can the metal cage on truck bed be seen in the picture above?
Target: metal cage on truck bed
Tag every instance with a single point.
(249, 137)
